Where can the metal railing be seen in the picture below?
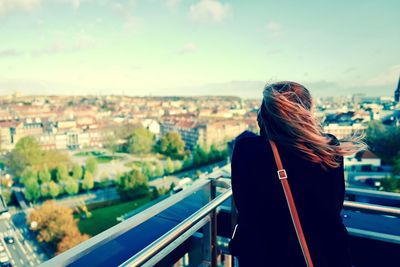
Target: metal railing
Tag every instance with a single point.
(372, 208)
(181, 232)
(204, 218)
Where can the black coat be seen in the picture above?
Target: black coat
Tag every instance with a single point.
(265, 235)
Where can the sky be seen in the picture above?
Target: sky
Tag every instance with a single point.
(198, 47)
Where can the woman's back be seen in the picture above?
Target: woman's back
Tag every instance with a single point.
(265, 235)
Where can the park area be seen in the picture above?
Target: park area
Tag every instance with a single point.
(105, 217)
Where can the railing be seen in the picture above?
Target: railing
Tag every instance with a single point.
(204, 218)
(153, 253)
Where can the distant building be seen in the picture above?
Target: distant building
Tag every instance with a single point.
(344, 130)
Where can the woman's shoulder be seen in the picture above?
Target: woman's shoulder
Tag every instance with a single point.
(248, 139)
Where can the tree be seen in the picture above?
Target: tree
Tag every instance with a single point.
(27, 152)
(390, 184)
(53, 224)
(159, 169)
(29, 174)
(396, 166)
(72, 186)
(44, 175)
(7, 195)
(62, 173)
(200, 156)
(70, 240)
(169, 166)
(44, 190)
(32, 190)
(76, 172)
(133, 185)
(91, 165)
(104, 181)
(384, 141)
(148, 169)
(172, 145)
(111, 143)
(54, 189)
(88, 182)
(141, 141)
(178, 165)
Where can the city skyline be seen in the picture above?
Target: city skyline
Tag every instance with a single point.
(202, 47)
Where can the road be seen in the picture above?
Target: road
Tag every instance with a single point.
(22, 252)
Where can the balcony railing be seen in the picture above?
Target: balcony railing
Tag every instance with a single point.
(202, 204)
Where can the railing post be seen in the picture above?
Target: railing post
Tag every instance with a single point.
(213, 222)
(207, 231)
(233, 225)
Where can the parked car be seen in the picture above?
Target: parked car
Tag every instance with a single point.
(9, 239)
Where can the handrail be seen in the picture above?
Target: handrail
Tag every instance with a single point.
(67, 257)
(155, 247)
(372, 208)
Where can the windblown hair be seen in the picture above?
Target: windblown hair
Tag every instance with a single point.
(286, 117)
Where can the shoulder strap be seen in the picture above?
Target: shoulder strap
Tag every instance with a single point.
(292, 207)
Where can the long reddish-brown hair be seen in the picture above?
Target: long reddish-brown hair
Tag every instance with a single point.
(286, 117)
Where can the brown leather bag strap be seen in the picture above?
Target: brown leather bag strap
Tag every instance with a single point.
(292, 207)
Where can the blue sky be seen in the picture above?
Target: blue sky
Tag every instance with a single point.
(197, 47)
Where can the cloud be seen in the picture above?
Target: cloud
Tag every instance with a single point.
(390, 76)
(172, 4)
(274, 28)
(206, 11)
(126, 11)
(9, 53)
(10, 6)
(83, 42)
(188, 48)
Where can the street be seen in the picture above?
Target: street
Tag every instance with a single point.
(22, 252)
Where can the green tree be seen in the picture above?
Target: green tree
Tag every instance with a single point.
(172, 145)
(54, 189)
(169, 166)
(384, 141)
(44, 175)
(141, 141)
(91, 165)
(104, 181)
(390, 184)
(148, 169)
(396, 166)
(88, 181)
(27, 153)
(159, 169)
(7, 195)
(44, 190)
(133, 185)
(178, 165)
(62, 173)
(72, 186)
(76, 172)
(32, 190)
(200, 156)
(187, 163)
(29, 174)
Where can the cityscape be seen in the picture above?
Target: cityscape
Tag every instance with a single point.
(119, 118)
(90, 162)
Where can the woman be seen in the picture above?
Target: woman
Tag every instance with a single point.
(265, 235)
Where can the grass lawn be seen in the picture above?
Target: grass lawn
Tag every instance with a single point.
(106, 159)
(104, 218)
